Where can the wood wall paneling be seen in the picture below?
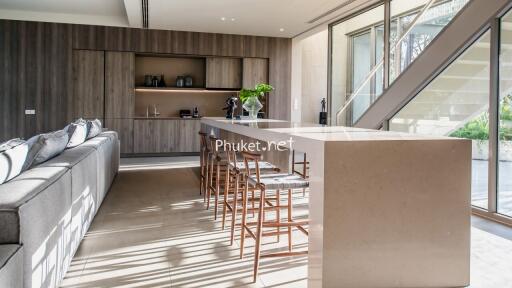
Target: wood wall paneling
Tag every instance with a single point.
(11, 106)
(223, 72)
(124, 129)
(37, 64)
(88, 84)
(280, 65)
(119, 84)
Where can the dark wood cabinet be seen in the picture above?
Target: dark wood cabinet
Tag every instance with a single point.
(88, 84)
(124, 129)
(223, 72)
(119, 84)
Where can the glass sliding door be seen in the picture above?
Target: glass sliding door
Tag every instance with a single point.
(456, 104)
(357, 46)
(505, 118)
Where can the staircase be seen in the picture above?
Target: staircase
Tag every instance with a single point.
(444, 113)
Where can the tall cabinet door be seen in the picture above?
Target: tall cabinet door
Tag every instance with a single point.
(88, 84)
(255, 71)
(223, 72)
(120, 96)
(119, 84)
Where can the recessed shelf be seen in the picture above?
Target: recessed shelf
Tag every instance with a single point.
(181, 90)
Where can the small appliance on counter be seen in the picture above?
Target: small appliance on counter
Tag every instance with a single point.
(148, 80)
(185, 113)
(195, 114)
(189, 82)
(180, 81)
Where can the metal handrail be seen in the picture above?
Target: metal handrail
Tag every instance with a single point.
(374, 70)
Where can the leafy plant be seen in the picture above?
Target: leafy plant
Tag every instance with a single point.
(258, 91)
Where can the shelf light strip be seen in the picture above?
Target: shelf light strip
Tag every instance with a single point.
(183, 91)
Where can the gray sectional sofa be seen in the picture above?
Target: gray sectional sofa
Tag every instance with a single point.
(46, 211)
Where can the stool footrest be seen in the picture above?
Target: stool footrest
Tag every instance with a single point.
(284, 254)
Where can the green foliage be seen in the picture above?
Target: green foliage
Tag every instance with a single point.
(506, 108)
(258, 91)
(478, 129)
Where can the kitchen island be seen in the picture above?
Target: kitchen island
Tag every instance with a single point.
(386, 209)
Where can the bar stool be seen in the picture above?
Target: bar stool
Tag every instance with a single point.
(234, 175)
(265, 183)
(203, 163)
(304, 172)
(217, 168)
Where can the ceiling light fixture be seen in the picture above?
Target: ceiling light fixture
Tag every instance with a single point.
(223, 18)
(233, 19)
(281, 29)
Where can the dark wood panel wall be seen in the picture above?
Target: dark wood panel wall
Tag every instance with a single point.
(36, 68)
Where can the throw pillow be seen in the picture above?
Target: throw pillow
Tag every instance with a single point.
(94, 128)
(77, 133)
(12, 162)
(11, 144)
(52, 144)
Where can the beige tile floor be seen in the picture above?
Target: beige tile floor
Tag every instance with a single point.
(152, 231)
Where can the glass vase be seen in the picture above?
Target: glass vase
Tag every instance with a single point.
(253, 106)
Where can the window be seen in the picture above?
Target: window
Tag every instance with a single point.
(456, 104)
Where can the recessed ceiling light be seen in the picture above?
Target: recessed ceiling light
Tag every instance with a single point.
(281, 29)
(233, 19)
(223, 18)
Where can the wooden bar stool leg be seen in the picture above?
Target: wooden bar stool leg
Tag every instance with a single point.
(289, 219)
(259, 232)
(226, 194)
(244, 221)
(210, 184)
(278, 214)
(217, 188)
(234, 209)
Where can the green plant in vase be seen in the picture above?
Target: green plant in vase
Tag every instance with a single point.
(251, 98)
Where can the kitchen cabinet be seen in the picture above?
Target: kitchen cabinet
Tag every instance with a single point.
(124, 129)
(255, 71)
(119, 84)
(88, 84)
(223, 73)
(166, 136)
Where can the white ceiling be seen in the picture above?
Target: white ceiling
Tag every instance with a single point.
(252, 17)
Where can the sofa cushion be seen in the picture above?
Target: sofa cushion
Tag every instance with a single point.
(11, 266)
(27, 185)
(12, 162)
(94, 128)
(52, 144)
(77, 133)
(69, 158)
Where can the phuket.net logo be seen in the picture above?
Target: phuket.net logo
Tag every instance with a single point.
(259, 146)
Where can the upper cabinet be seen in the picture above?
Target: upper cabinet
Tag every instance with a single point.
(223, 73)
(255, 71)
(119, 84)
(88, 84)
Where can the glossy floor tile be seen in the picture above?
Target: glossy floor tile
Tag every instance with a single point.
(152, 230)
